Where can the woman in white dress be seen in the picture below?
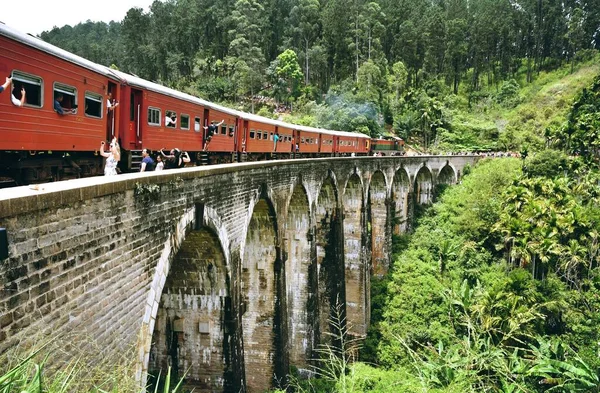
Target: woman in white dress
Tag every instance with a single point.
(112, 158)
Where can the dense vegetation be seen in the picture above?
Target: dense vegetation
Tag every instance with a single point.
(498, 287)
(411, 67)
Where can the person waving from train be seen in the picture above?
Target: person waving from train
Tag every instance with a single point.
(58, 106)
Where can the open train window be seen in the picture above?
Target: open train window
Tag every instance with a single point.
(316, 141)
(271, 136)
(197, 124)
(93, 105)
(224, 129)
(301, 140)
(69, 96)
(33, 86)
(185, 122)
(231, 130)
(252, 133)
(154, 116)
(171, 119)
(265, 135)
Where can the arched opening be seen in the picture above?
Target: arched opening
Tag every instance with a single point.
(329, 257)
(260, 285)
(380, 234)
(423, 186)
(447, 175)
(190, 333)
(401, 201)
(298, 279)
(357, 312)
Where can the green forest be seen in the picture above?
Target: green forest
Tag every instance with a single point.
(427, 71)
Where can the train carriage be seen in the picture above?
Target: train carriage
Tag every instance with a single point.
(35, 132)
(222, 145)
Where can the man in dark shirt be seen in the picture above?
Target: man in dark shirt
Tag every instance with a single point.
(58, 107)
(147, 162)
(210, 130)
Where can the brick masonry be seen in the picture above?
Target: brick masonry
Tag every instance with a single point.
(239, 264)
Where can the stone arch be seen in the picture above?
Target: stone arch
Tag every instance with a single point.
(260, 287)
(181, 228)
(330, 265)
(190, 334)
(423, 186)
(356, 277)
(298, 277)
(380, 235)
(401, 201)
(161, 272)
(447, 175)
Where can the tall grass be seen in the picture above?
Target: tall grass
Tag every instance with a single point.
(44, 370)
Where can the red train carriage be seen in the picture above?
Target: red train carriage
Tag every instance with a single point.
(143, 111)
(221, 147)
(37, 143)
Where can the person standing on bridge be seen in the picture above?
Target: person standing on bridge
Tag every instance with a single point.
(112, 158)
(147, 162)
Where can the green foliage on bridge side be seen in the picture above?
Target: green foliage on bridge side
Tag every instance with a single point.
(498, 289)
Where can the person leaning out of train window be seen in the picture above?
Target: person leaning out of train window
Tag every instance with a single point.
(147, 162)
(171, 120)
(6, 84)
(112, 157)
(58, 106)
(16, 101)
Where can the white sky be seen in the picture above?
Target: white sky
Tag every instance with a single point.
(35, 16)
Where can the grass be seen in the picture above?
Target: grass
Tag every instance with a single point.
(544, 102)
(50, 368)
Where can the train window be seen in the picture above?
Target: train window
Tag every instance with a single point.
(224, 129)
(197, 124)
(93, 105)
(231, 130)
(185, 122)
(171, 119)
(32, 85)
(154, 116)
(69, 96)
(316, 141)
(252, 133)
(265, 135)
(271, 136)
(301, 140)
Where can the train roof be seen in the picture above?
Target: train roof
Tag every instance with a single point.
(39, 44)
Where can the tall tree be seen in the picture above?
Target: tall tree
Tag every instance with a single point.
(304, 25)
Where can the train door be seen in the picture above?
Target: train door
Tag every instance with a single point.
(134, 135)
(244, 136)
(111, 115)
(206, 124)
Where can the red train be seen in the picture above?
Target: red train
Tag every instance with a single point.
(37, 144)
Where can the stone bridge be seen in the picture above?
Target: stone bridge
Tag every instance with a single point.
(232, 273)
